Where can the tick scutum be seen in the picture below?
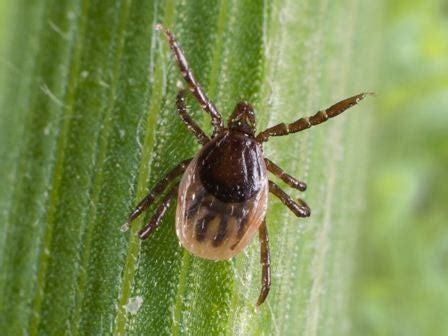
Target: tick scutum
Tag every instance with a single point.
(231, 167)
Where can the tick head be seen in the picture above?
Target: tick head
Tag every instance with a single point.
(242, 119)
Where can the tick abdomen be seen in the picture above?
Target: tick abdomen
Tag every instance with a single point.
(219, 211)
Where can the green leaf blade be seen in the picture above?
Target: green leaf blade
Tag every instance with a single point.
(103, 87)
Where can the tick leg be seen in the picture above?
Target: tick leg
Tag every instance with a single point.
(192, 126)
(299, 208)
(155, 192)
(304, 123)
(265, 263)
(280, 173)
(156, 219)
(194, 86)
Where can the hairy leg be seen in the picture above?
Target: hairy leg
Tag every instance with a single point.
(194, 86)
(280, 173)
(299, 208)
(156, 219)
(304, 123)
(265, 263)
(155, 192)
(192, 126)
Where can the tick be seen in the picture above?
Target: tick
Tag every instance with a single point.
(222, 195)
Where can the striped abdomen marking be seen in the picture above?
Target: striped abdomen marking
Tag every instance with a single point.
(211, 228)
(218, 238)
(227, 214)
(202, 226)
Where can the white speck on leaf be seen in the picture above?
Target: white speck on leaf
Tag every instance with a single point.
(124, 227)
(133, 305)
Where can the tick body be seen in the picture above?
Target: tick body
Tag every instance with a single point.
(222, 197)
(222, 192)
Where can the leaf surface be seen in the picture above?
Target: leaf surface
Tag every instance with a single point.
(88, 124)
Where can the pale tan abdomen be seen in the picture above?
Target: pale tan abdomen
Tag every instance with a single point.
(210, 228)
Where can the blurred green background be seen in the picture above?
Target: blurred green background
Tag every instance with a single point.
(400, 286)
